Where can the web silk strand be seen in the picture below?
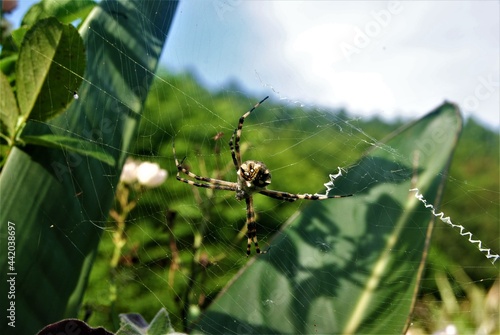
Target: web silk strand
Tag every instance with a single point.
(486, 251)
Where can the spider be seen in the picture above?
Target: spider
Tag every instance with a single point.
(252, 177)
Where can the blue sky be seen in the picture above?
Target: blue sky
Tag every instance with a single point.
(388, 58)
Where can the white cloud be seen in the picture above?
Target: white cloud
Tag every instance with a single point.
(406, 62)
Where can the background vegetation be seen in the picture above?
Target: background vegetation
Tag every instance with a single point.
(158, 270)
(181, 245)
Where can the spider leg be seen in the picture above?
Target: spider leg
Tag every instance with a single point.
(214, 184)
(236, 161)
(292, 197)
(251, 227)
(207, 182)
(234, 142)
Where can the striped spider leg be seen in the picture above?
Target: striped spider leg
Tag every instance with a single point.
(205, 182)
(252, 177)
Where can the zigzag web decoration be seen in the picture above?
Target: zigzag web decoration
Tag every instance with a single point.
(329, 186)
(486, 251)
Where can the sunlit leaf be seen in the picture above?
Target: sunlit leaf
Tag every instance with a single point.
(50, 66)
(18, 35)
(65, 11)
(8, 108)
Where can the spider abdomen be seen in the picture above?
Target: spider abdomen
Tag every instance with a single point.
(252, 177)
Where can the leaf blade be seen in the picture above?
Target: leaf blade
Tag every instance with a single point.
(72, 144)
(351, 265)
(9, 112)
(69, 195)
(50, 66)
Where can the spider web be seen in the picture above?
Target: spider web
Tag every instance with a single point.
(183, 244)
(300, 145)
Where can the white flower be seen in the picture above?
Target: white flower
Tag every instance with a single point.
(449, 330)
(150, 174)
(129, 172)
(145, 173)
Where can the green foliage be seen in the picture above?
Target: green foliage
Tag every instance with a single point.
(57, 197)
(471, 199)
(353, 265)
(459, 300)
(73, 145)
(290, 140)
(50, 52)
(65, 11)
(8, 109)
(134, 324)
(349, 259)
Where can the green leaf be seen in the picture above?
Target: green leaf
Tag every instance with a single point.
(59, 201)
(8, 108)
(50, 66)
(134, 324)
(7, 65)
(160, 324)
(18, 35)
(65, 11)
(72, 144)
(351, 265)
